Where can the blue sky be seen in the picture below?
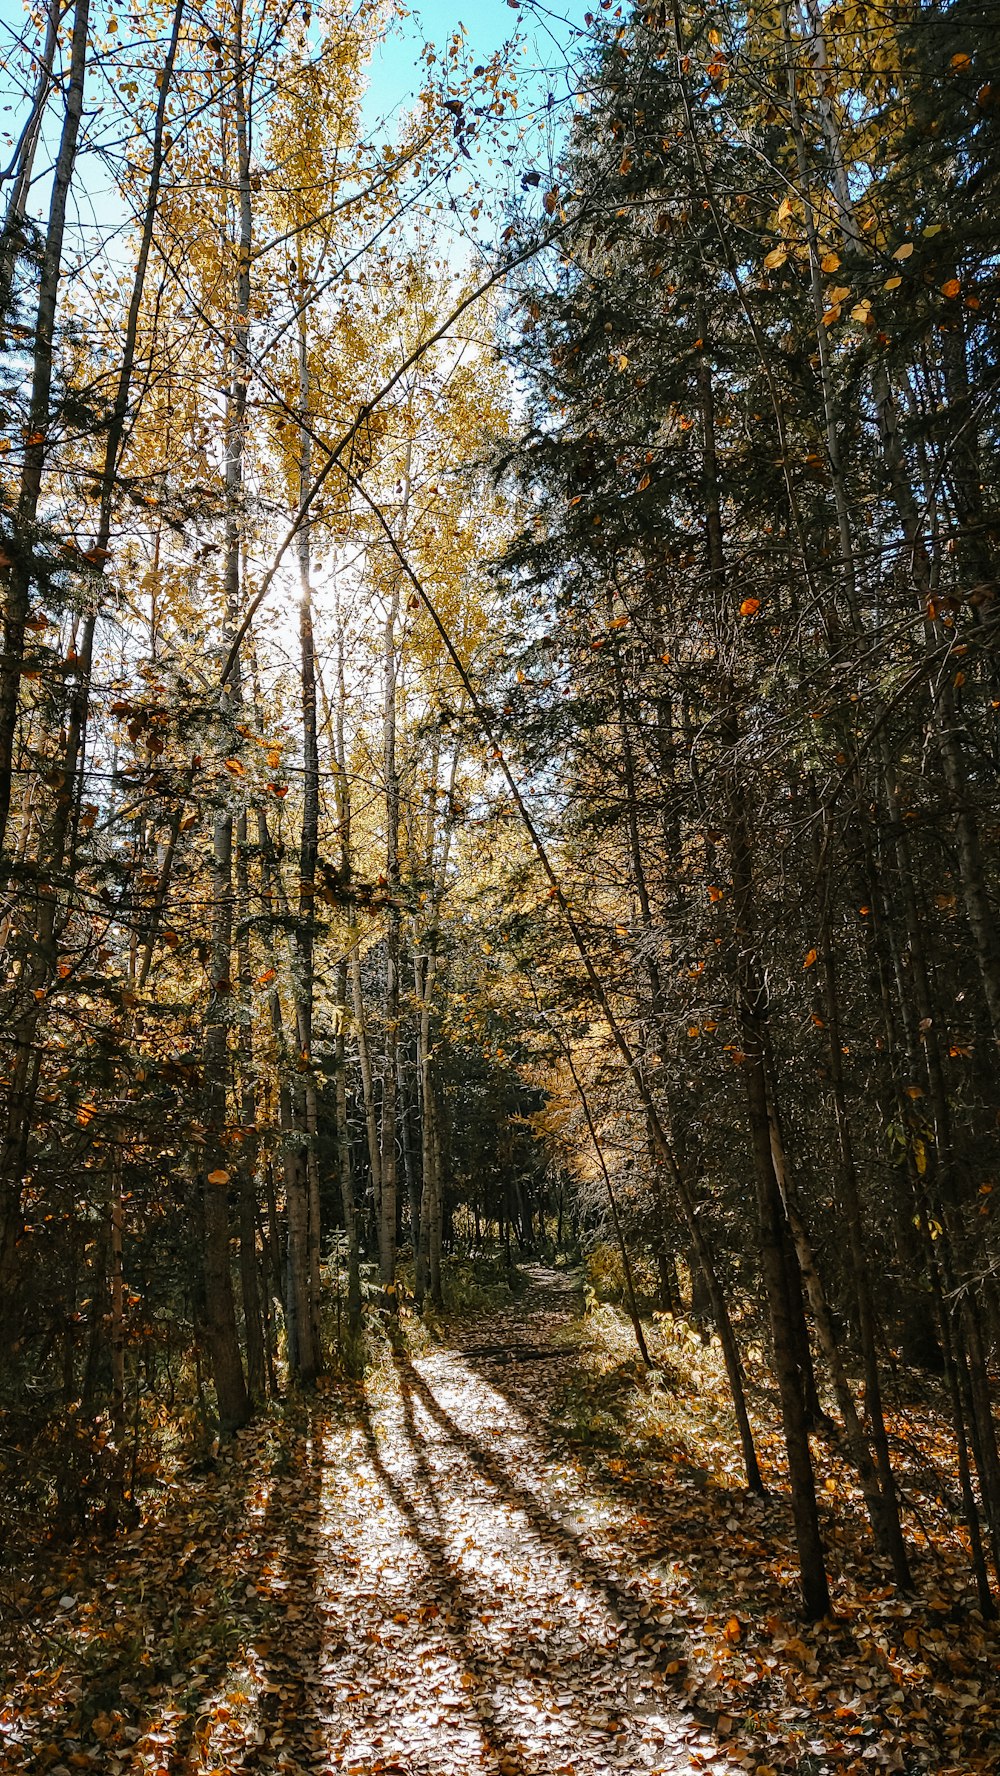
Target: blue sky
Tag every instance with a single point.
(395, 75)
(489, 24)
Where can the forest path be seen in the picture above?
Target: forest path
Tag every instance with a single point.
(411, 1577)
(469, 1610)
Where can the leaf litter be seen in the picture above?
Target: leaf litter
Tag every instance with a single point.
(448, 1570)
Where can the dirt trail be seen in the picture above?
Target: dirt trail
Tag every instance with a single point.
(420, 1586)
(485, 1624)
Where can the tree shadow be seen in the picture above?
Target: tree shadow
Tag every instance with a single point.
(565, 1540)
(176, 1617)
(747, 1602)
(649, 1647)
(685, 1541)
(425, 1525)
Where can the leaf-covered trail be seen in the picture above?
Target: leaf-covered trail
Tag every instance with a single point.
(466, 1616)
(438, 1572)
(417, 1588)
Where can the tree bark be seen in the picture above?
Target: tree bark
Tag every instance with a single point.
(17, 605)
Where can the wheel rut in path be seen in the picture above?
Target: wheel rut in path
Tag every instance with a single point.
(470, 1610)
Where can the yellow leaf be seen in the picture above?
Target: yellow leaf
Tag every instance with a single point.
(904, 251)
(643, 484)
(235, 767)
(892, 283)
(776, 258)
(838, 292)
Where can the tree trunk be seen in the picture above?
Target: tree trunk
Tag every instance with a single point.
(253, 1326)
(18, 591)
(304, 1247)
(388, 1133)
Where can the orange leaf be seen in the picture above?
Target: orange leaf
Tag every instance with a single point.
(951, 288)
(810, 959)
(749, 607)
(219, 1177)
(236, 768)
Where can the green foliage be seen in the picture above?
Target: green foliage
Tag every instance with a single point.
(480, 1285)
(605, 1274)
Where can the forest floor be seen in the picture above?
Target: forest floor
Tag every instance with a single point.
(445, 1572)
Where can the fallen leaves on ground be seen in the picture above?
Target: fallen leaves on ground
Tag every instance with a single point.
(452, 1570)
